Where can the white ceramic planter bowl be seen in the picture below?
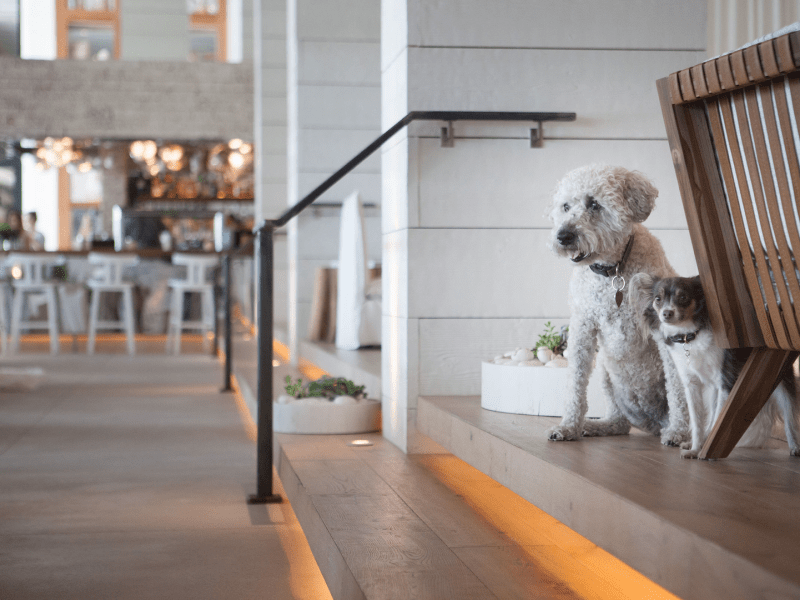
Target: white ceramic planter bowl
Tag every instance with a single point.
(327, 418)
(534, 390)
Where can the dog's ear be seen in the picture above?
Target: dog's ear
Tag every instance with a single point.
(640, 194)
(640, 295)
(700, 315)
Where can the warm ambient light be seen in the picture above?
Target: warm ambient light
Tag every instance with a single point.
(276, 363)
(16, 272)
(235, 143)
(357, 443)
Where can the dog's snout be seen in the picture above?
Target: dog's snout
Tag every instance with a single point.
(667, 314)
(566, 237)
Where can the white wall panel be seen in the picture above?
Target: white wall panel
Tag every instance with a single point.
(320, 235)
(340, 107)
(631, 24)
(485, 273)
(612, 92)
(355, 63)
(451, 350)
(395, 277)
(356, 20)
(678, 248)
(504, 183)
(368, 185)
(328, 150)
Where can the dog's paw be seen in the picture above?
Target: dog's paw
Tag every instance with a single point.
(562, 433)
(686, 445)
(689, 453)
(794, 451)
(670, 437)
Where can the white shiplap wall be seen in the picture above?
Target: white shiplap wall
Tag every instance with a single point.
(334, 112)
(466, 271)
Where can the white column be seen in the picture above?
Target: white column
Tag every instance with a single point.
(466, 270)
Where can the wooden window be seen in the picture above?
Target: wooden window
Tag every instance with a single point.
(207, 28)
(88, 29)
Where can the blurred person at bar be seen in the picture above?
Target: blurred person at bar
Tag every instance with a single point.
(35, 238)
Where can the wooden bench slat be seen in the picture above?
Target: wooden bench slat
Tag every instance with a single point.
(740, 75)
(725, 73)
(752, 64)
(768, 207)
(699, 81)
(736, 215)
(687, 89)
(769, 62)
(712, 79)
(675, 89)
(757, 291)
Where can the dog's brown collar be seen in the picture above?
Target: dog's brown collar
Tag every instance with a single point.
(611, 270)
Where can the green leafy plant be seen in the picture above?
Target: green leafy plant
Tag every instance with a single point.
(325, 387)
(293, 389)
(549, 339)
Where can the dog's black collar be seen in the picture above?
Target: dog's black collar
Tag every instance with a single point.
(682, 338)
(611, 270)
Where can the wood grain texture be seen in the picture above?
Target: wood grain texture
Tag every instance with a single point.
(713, 240)
(659, 513)
(750, 204)
(758, 379)
(751, 277)
(775, 195)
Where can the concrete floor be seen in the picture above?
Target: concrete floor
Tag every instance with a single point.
(126, 478)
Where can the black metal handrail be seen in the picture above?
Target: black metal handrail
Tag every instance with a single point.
(265, 267)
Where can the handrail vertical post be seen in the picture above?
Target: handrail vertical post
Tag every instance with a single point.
(265, 251)
(226, 281)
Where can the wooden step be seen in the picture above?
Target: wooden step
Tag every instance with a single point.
(384, 525)
(702, 529)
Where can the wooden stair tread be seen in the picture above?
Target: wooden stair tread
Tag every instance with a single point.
(640, 501)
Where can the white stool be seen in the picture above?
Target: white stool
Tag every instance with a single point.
(107, 277)
(196, 282)
(31, 280)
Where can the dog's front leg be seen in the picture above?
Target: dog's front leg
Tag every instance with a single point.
(614, 422)
(582, 349)
(697, 415)
(677, 431)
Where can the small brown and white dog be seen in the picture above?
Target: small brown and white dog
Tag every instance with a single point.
(674, 311)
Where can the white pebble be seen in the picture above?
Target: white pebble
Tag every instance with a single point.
(558, 361)
(345, 400)
(544, 354)
(531, 363)
(522, 354)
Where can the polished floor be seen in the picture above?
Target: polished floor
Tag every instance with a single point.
(125, 477)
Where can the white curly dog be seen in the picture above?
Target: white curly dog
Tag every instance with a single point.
(597, 213)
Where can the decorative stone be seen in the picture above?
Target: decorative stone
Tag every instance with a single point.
(544, 354)
(558, 361)
(345, 400)
(284, 399)
(522, 354)
(531, 363)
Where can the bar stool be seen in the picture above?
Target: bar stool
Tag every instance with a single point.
(196, 282)
(31, 279)
(107, 277)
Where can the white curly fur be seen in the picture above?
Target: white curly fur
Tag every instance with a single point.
(600, 207)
